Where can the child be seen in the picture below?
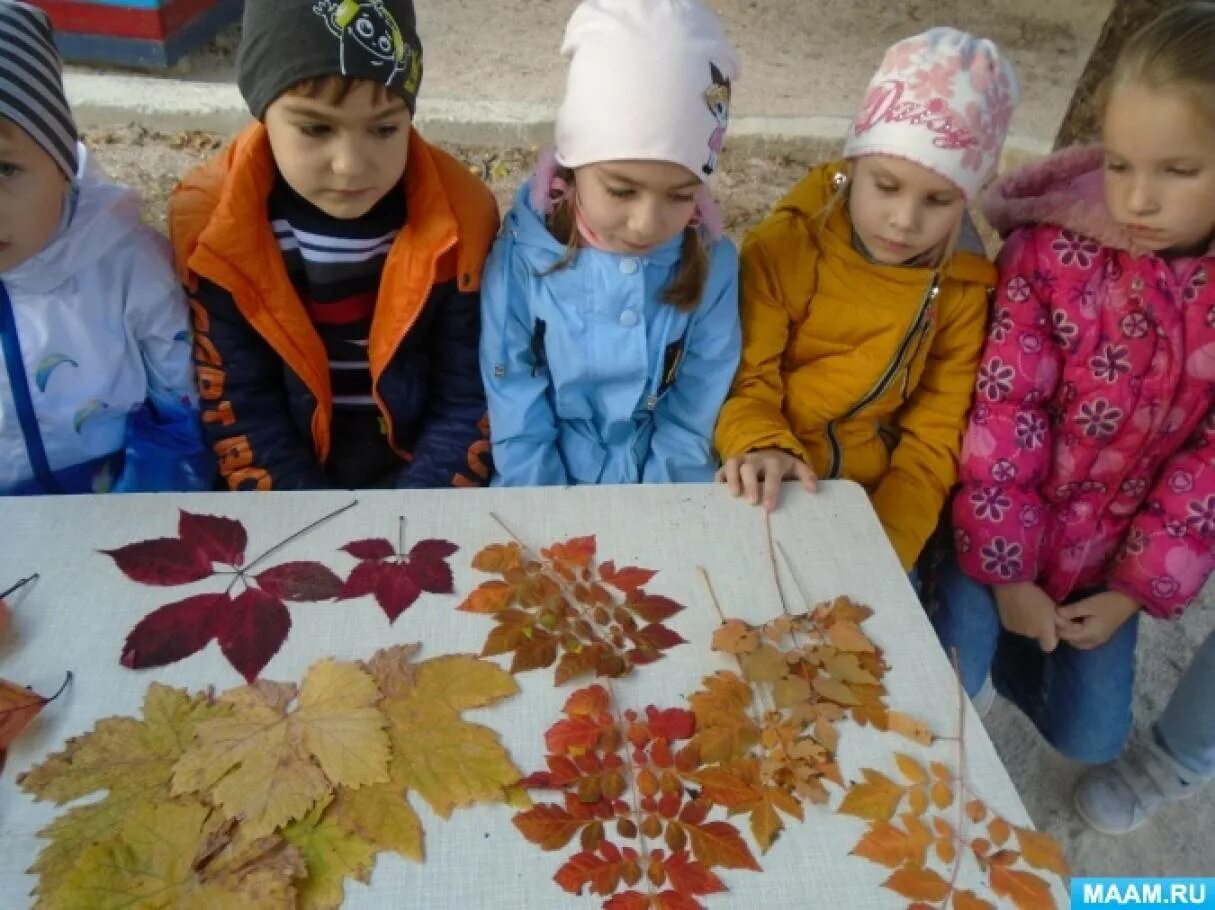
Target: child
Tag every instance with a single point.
(334, 260)
(96, 386)
(1170, 763)
(862, 317)
(610, 309)
(1088, 488)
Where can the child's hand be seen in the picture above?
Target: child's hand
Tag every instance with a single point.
(1025, 609)
(1089, 623)
(766, 468)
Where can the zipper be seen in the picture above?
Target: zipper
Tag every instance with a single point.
(914, 333)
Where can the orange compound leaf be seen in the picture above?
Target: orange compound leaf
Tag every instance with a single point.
(686, 875)
(720, 844)
(627, 579)
(877, 799)
(601, 871)
(573, 736)
(499, 557)
(1042, 851)
(577, 552)
(490, 597)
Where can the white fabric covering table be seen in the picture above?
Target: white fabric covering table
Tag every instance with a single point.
(79, 612)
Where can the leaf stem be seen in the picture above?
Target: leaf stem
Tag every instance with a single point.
(19, 585)
(757, 710)
(780, 592)
(400, 535)
(67, 679)
(298, 534)
(628, 757)
(957, 860)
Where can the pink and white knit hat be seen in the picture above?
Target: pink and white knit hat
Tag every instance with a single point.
(943, 99)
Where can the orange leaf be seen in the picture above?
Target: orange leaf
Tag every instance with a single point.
(976, 811)
(577, 552)
(1024, 889)
(601, 873)
(18, 707)
(548, 826)
(919, 838)
(630, 578)
(5, 615)
(669, 900)
(724, 788)
(945, 850)
(909, 727)
(835, 690)
(877, 799)
(1004, 858)
(885, 845)
(1042, 851)
(910, 768)
(592, 701)
(981, 846)
(942, 795)
(918, 884)
(628, 900)
(498, 557)
(968, 900)
(847, 636)
(689, 876)
(764, 664)
(793, 690)
(490, 597)
(720, 844)
(998, 831)
(941, 772)
(918, 800)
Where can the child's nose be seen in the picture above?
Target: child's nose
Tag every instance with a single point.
(347, 159)
(1142, 199)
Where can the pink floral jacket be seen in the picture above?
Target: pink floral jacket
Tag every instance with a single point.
(1090, 455)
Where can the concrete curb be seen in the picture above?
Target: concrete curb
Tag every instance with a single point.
(101, 100)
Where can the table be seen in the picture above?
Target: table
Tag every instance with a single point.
(79, 612)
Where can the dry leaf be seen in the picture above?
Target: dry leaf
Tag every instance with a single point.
(976, 811)
(911, 769)
(269, 766)
(445, 759)
(734, 637)
(909, 727)
(918, 884)
(999, 831)
(847, 636)
(331, 854)
(381, 815)
(942, 795)
(968, 900)
(1024, 889)
(876, 799)
(131, 759)
(765, 664)
(155, 859)
(1042, 851)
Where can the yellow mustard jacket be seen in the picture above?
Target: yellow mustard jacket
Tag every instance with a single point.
(865, 371)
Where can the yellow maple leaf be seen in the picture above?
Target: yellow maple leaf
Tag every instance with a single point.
(171, 854)
(382, 816)
(876, 799)
(332, 853)
(446, 760)
(130, 758)
(269, 765)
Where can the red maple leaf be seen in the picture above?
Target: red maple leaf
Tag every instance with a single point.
(249, 627)
(397, 579)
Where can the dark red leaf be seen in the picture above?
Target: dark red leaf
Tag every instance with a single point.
(252, 631)
(163, 562)
(371, 548)
(395, 589)
(671, 723)
(660, 636)
(362, 581)
(427, 562)
(537, 780)
(300, 581)
(654, 607)
(174, 631)
(220, 539)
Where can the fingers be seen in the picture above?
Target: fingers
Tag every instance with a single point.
(772, 481)
(806, 475)
(749, 477)
(1048, 638)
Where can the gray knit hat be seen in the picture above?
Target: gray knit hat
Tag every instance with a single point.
(31, 82)
(287, 41)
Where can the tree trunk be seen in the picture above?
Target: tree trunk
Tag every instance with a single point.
(1080, 124)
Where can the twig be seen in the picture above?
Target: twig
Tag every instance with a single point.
(797, 581)
(780, 593)
(957, 860)
(298, 534)
(400, 535)
(756, 692)
(19, 585)
(628, 757)
(704, 576)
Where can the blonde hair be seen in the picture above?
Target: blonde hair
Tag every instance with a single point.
(1174, 51)
(839, 199)
(688, 285)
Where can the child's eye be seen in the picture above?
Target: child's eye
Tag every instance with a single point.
(937, 200)
(620, 193)
(887, 188)
(8, 170)
(682, 197)
(315, 130)
(385, 130)
(1116, 167)
(1183, 171)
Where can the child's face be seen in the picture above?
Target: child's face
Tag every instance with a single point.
(902, 210)
(32, 190)
(343, 158)
(636, 206)
(1160, 168)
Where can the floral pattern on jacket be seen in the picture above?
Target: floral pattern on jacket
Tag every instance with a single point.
(1090, 455)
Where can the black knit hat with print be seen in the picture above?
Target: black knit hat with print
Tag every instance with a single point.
(285, 42)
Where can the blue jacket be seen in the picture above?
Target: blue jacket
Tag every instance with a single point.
(96, 382)
(590, 377)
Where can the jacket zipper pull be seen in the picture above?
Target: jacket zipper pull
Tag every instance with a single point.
(651, 402)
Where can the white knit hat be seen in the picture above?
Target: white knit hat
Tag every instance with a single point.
(942, 99)
(649, 80)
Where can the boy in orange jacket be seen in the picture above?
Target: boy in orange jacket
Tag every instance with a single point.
(333, 259)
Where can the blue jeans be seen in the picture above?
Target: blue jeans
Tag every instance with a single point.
(1080, 701)
(1187, 726)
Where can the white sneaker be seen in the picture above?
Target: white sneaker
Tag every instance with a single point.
(1121, 796)
(984, 699)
